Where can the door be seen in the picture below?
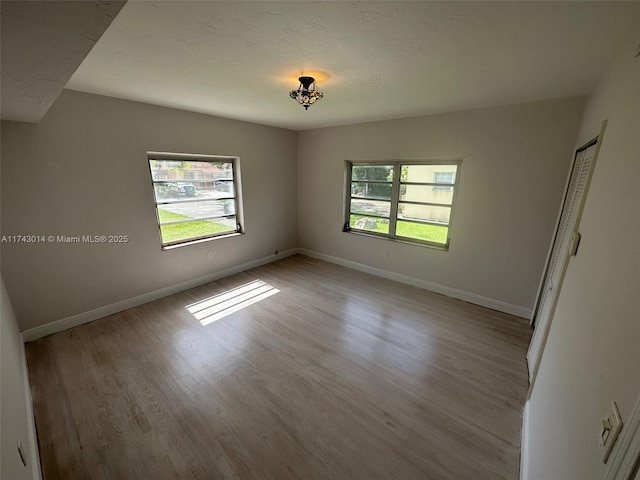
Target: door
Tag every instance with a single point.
(564, 244)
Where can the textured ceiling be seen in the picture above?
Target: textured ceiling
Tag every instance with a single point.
(374, 60)
(43, 43)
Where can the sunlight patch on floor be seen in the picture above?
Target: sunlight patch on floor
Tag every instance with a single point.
(219, 306)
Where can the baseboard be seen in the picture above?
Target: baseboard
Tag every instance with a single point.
(34, 459)
(432, 287)
(85, 317)
(524, 452)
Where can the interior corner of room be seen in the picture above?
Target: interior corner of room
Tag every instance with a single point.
(536, 105)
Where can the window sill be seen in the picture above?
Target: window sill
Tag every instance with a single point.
(406, 241)
(200, 240)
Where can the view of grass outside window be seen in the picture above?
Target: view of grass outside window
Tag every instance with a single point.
(196, 196)
(410, 201)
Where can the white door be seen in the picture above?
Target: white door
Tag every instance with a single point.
(559, 258)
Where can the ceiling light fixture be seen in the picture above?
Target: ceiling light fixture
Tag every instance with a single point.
(306, 94)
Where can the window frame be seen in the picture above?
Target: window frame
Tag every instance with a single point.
(395, 199)
(237, 195)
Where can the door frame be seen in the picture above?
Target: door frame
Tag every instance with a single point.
(625, 458)
(564, 205)
(534, 355)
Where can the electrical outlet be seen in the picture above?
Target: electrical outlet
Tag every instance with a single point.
(210, 256)
(385, 253)
(21, 453)
(611, 426)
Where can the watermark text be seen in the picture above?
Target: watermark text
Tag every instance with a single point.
(64, 239)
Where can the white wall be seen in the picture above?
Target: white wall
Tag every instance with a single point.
(515, 160)
(592, 355)
(16, 422)
(83, 171)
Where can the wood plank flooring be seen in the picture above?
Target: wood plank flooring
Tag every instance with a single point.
(336, 375)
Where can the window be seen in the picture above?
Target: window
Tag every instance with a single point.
(444, 177)
(406, 201)
(197, 197)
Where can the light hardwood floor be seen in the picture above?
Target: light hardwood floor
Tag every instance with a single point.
(338, 375)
